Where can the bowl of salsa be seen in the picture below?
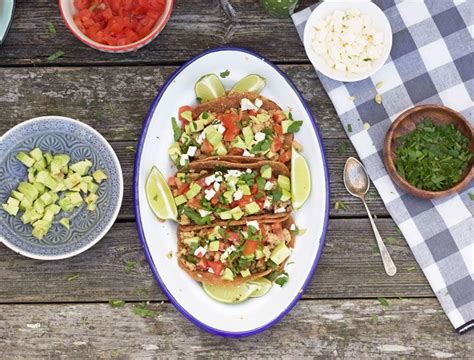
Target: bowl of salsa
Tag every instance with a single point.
(116, 26)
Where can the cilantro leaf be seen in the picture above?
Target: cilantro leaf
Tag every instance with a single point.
(224, 74)
(176, 129)
(295, 126)
(142, 310)
(383, 301)
(282, 279)
(51, 27)
(58, 54)
(117, 303)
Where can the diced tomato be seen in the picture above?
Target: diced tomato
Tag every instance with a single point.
(276, 228)
(81, 4)
(206, 147)
(215, 200)
(201, 182)
(254, 189)
(233, 237)
(194, 203)
(222, 246)
(276, 144)
(278, 129)
(202, 264)
(172, 181)
(183, 109)
(229, 121)
(286, 156)
(252, 112)
(249, 247)
(278, 116)
(216, 266)
(236, 151)
(246, 199)
(183, 189)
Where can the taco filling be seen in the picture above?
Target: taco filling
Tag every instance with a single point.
(230, 194)
(247, 128)
(235, 251)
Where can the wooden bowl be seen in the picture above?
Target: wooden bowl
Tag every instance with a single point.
(405, 124)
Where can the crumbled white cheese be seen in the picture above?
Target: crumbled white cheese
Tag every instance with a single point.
(201, 137)
(260, 136)
(227, 252)
(200, 251)
(217, 186)
(219, 178)
(248, 171)
(268, 185)
(209, 180)
(210, 193)
(183, 159)
(203, 212)
(191, 151)
(238, 195)
(280, 210)
(246, 153)
(246, 104)
(210, 270)
(293, 227)
(267, 204)
(220, 128)
(253, 223)
(258, 103)
(234, 173)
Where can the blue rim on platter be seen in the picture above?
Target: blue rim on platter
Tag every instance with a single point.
(6, 17)
(59, 134)
(136, 204)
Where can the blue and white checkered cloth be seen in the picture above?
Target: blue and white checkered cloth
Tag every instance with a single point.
(432, 61)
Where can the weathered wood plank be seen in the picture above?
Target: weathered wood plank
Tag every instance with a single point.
(194, 26)
(336, 152)
(350, 267)
(356, 329)
(115, 100)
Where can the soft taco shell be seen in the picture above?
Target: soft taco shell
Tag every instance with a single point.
(213, 279)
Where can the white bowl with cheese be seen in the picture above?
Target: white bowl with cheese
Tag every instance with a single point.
(348, 41)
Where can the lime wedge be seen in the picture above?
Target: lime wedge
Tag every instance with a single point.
(251, 83)
(230, 294)
(300, 179)
(209, 87)
(264, 286)
(159, 196)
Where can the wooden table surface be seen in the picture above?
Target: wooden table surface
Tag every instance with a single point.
(43, 315)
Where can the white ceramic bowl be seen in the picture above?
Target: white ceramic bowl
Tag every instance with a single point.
(327, 8)
(68, 10)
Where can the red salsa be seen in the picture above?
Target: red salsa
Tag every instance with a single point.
(117, 22)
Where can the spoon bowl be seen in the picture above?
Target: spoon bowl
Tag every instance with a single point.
(356, 179)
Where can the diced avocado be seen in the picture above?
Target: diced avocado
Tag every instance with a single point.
(54, 196)
(31, 175)
(28, 190)
(17, 195)
(258, 254)
(191, 240)
(82, 186)
(25, 159)
(237, 213)
(245, 189)
(187, 115)
(12, 206)
(197, 125)
(40, 164)
(284, 182)
(280, 253)
(239, 143)
(179, 200)
(220, 149)
(65, 222)
(248, 135)
(262, 117)
(46, 198)
(48, 215)
(36, 154)
(215, 233)
(75, 198)
(270, 154)
(61, 187)
(59, 177)
(206, 117)
(40, 187)
(99, 176)
(193, 191)
(45, 178)
(40, 228)
(213, 246)
(213, 136)
(87, 179)
(66, 204)
(187, 129)
(285, 195)
(72, 180)
(54, 208)
(285, 124)
(39, 205)
(245, 273)
(266, 171)
(92, 187)
(25, 204)
(58, 163)
(228, 196)
(91, 207)
(225, 215)
(252, 208)
(65, 170)
(228, 274)
(81, 167)
(48, 157)
(91, 199)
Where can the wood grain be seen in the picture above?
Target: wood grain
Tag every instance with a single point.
(350, 267)
(356, 329)
(194, 26)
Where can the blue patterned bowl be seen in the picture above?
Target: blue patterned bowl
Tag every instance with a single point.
(58, 134)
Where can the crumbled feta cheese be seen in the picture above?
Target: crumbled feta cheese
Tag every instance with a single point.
(200, 251)
(227, 252)
(248, 171)
(260, 136)
(293, 227)
(183, 159)
(217, 186)
(246, 104)
(209, 194)
(220, 128)
(253, 223)
(280, 210)
(258, 103)
(210, 270)
(235, 173)
(268, 185)
(209, 180)
(219, 178)
(267, 204)
(203, 212)
(201, 137)
(191, 151)
(246, 153)
(238, 195)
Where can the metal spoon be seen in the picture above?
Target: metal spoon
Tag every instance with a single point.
(357, 184)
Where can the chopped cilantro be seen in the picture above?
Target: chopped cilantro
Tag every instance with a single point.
(117, 303)
(342, 148)
(199, 100)
(383, 301)
(411, 268)
(375, 319)
(282, 279)
(295, 126)
(58, 54)
(349, 128)
(390, 240)
(129, 266)
(176, 129)
(340, 205)
(276, 195)
(51, 27)
(73, 277)
(131, 148)
(142, 310)
(471, 196)
(224, 74)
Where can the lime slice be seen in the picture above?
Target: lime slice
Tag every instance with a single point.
(264, 286)
(251, 83)
(230, 294)
(159, 196)
(209, 87)
(300, 179)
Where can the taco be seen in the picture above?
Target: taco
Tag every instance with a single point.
(238, 127)
(233, 254)
(220, 192)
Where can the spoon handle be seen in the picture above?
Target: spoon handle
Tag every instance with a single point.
(390, 268)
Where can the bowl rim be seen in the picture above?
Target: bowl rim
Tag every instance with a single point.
(339, 77)
(390, 164)
(111, 220)
(119, 48)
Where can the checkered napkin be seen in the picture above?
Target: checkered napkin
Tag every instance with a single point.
(432, 61)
